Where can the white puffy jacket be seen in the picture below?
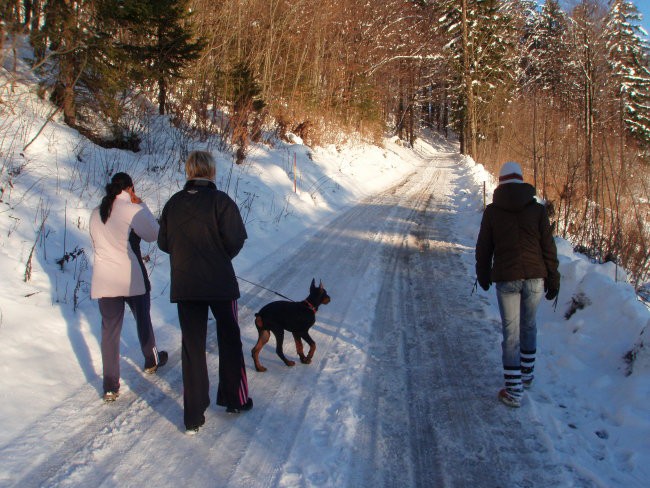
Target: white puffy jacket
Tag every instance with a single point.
(116, 271)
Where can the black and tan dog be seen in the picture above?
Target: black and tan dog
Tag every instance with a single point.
(295, 317)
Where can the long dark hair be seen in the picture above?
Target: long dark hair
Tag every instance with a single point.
(119, 182)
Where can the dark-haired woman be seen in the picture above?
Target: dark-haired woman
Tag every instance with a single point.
(119, 276)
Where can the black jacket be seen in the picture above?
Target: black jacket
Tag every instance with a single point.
(516, 240)
(202, 230)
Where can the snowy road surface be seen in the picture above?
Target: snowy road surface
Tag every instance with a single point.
(401, 392)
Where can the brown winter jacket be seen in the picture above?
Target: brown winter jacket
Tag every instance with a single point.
(516, 240)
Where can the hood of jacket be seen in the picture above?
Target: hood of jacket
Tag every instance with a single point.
(513, 197)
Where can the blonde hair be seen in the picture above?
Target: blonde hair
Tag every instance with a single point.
(200, 164)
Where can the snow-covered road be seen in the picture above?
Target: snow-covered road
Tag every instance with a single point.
(401, 392)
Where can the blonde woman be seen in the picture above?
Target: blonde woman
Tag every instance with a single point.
(202, 230)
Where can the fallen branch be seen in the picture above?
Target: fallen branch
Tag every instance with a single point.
(41, 129)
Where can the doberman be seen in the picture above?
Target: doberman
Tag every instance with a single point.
(295, 317)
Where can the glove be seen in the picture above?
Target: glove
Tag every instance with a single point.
(551, 292)
(485, 284)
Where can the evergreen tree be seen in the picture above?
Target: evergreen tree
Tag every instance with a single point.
(547, 49)
(627, 51)
(481, 47)
(171, 46)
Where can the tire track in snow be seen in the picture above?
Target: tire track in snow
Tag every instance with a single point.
(342, 254)
(349, 247)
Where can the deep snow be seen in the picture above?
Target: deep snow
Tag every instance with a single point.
(391, 232)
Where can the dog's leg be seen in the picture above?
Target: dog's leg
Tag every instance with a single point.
(279, 340)
(262, 338)
(299, 348)
(312, 348)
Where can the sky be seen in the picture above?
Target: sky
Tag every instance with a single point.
(642, 5)
(644, 8)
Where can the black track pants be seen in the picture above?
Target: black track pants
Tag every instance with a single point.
(233, 386)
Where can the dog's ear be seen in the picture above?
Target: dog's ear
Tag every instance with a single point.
(320, 287)
(313, 283)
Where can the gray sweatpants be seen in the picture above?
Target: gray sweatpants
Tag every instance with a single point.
(112, 312)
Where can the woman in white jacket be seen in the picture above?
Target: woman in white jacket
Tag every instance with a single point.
(116, 227)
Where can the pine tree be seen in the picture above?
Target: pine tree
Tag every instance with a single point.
(627, 51)
(481, 48)
(172, 47)
(153, 40)
(547, 49)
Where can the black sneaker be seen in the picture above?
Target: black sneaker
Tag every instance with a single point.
(194, 429)
(244, 408)
(162, 360)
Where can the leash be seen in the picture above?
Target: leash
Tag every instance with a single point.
(264, 288)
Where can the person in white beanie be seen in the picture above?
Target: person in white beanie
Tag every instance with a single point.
(516, 251)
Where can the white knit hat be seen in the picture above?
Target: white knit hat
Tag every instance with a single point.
(510, 173)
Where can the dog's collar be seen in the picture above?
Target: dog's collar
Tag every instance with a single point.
(310, 306)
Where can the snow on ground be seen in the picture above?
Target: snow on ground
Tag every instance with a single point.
(591, 402)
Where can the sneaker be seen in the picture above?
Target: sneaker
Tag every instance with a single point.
(507, 399)
(111, 396)
(244, 408)
(162, 360)
(194, 429)
(528, 382)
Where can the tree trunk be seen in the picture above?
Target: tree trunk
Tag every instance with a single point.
(68, 76)
(469, 119)
(535, 137)
(589, 123)
(162, 95)
(36, 15)
(27, 8)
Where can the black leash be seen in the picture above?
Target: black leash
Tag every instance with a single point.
(264, 288)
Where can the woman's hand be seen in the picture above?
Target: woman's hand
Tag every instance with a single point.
(134, 198)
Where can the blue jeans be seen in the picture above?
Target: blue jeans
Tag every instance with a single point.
(518, 302)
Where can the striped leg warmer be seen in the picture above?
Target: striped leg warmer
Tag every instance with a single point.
(527, 367)
(514, 386)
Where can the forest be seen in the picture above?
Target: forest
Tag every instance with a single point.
(564, 89)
